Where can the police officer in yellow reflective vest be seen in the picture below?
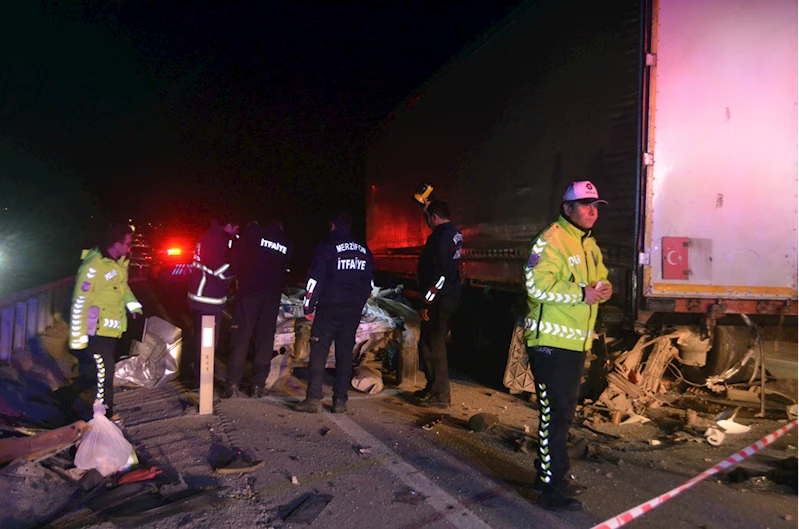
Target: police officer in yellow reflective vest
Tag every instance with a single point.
(565, 279)
(98, 313)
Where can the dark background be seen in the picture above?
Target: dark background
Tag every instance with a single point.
(173, 111)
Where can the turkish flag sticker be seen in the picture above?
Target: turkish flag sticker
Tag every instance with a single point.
(675, 258)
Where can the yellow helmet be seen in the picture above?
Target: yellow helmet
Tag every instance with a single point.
(424, 194)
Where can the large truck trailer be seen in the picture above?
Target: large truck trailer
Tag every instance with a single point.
(683, 113)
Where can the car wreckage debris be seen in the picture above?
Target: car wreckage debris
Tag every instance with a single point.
(483, 421)
(430, 424)
(43, 445)
(306, 508)
(410, 496)
(635, 381)
(633, 388)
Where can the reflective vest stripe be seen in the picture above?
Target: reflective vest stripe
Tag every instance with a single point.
(210, 301)
(219, 272)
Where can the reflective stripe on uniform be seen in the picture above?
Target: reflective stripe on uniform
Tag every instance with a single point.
(560, 298)
(75, 344)
(554, 329)
(529, 282)
(543, 433)
(76, 323)
(98, 360)
(309, 288)
(219, 272)
(431, 294)
(210, 301)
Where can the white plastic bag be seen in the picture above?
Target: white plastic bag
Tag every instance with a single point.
(103, 447)
(368, 379)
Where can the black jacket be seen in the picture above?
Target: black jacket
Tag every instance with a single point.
(210, 270)
(341, 275)
(260, 258)
(439, 265)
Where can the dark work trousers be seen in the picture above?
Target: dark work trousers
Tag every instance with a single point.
(339, 325)
(255, 320)
(433, 346)
(557, 373)
(198, 338)
(96, 366)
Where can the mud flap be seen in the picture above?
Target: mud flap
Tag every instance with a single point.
(518, 375)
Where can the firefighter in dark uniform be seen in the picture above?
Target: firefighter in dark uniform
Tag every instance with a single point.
(438, 275)
(209, 279)
(258, 261)
(340, 281)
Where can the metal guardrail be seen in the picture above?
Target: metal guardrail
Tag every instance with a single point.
(24, 315)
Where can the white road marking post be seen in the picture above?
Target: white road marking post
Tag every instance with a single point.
(207, 365)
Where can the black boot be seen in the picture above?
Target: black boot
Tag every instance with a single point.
(309, 406)
(233, 392)
(423, 394)
(570, 488)
(554, 498)
(259, 392)
(435, 401)
(339, 407)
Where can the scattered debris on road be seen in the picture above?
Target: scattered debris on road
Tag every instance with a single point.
(430, 424)
(306, 508)
(482, 421)
(410, 496)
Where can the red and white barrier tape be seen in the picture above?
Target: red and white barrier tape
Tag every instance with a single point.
(635, 512)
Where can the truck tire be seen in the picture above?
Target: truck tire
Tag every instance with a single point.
(730, 345)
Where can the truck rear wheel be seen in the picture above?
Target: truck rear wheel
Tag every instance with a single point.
(730, 345)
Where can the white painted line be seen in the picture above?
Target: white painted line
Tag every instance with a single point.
(459, 516)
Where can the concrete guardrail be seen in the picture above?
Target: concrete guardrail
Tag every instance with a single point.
(24, 315)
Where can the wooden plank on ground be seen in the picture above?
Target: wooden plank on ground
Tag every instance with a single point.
(43, 445)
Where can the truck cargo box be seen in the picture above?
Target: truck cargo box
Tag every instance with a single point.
(682, 113)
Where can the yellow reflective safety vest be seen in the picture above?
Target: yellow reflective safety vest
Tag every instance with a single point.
(100, 299)
(562, 260)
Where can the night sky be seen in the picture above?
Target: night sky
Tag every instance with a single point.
(169, 112)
